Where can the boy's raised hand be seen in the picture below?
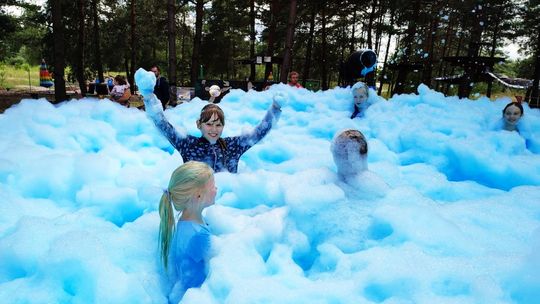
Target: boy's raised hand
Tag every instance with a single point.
(145, 81)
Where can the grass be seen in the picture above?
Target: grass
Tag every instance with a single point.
(18, 78)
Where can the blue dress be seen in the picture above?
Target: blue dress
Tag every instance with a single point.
(221, 156)
(188, 258)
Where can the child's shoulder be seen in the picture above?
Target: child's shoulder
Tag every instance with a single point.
(192, 227)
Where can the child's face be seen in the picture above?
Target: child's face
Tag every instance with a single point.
(512, 114)
(208, 196)
(359, 96)
(212, 129)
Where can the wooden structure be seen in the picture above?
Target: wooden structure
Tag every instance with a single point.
(405, 68)
(261, 59)
(475, 69)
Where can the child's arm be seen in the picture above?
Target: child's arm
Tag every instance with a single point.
(269, 120)
(154, 110)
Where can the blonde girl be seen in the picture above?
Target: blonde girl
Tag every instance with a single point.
(184, 245)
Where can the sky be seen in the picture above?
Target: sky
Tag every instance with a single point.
(447, 212)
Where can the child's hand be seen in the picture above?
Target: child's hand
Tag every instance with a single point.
(145, 81)
(280, 99)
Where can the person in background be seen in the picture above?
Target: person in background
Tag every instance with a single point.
(185, 245)
(215, 92)
(119, 88)
(360, 93)
(161, 89)
(221, 154)
(110, 83)
(511, 115)
(293, 80)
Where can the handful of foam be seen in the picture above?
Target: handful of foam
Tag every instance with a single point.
(145, 81)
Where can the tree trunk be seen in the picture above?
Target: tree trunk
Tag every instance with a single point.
(80, 48)
(183, 54)
(195, 57)
(428, 61)
(59, 59)
(534, 100)
(446, 43)
(474, 46)
(252, 38)
(492, 53)
(404, 64)
(370, 25)
(131, 74)
(287, 52)
(383, 72)
(458, 51)
(171, 27)
(378, 31)
(274, 9)
(353, 33)
(309, 47)
(97, 47)
(324, 69)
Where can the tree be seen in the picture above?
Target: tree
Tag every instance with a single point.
(97, 42)
(407, 49)
(195, 56)
(79, 68)
(287, 52)
(132, 35)
(530, 29)
(171, 27)
(59, 61)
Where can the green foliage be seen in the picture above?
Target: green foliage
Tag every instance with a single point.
(226, 28)
(14, 77)
(2, 75)
(508, 68)
(16, 61)
(525, 68)
(8, 26)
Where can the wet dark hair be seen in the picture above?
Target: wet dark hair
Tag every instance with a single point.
(354, 135)
(513, 103)
(208, 111)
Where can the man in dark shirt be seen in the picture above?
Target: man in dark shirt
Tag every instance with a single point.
(162, 87)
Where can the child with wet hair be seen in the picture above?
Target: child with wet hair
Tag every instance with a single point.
(185, 244)
(221, 154)
(349, 150)
(360, 93)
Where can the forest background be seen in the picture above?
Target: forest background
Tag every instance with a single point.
(83, 40)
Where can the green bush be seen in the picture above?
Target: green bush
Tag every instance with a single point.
(16, 61)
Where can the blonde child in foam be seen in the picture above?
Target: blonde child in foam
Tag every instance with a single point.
(185, 244)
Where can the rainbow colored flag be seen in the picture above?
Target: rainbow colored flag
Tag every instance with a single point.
(45, 79)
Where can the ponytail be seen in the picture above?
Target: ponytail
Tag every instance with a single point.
(166, 226)
(185, 181)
